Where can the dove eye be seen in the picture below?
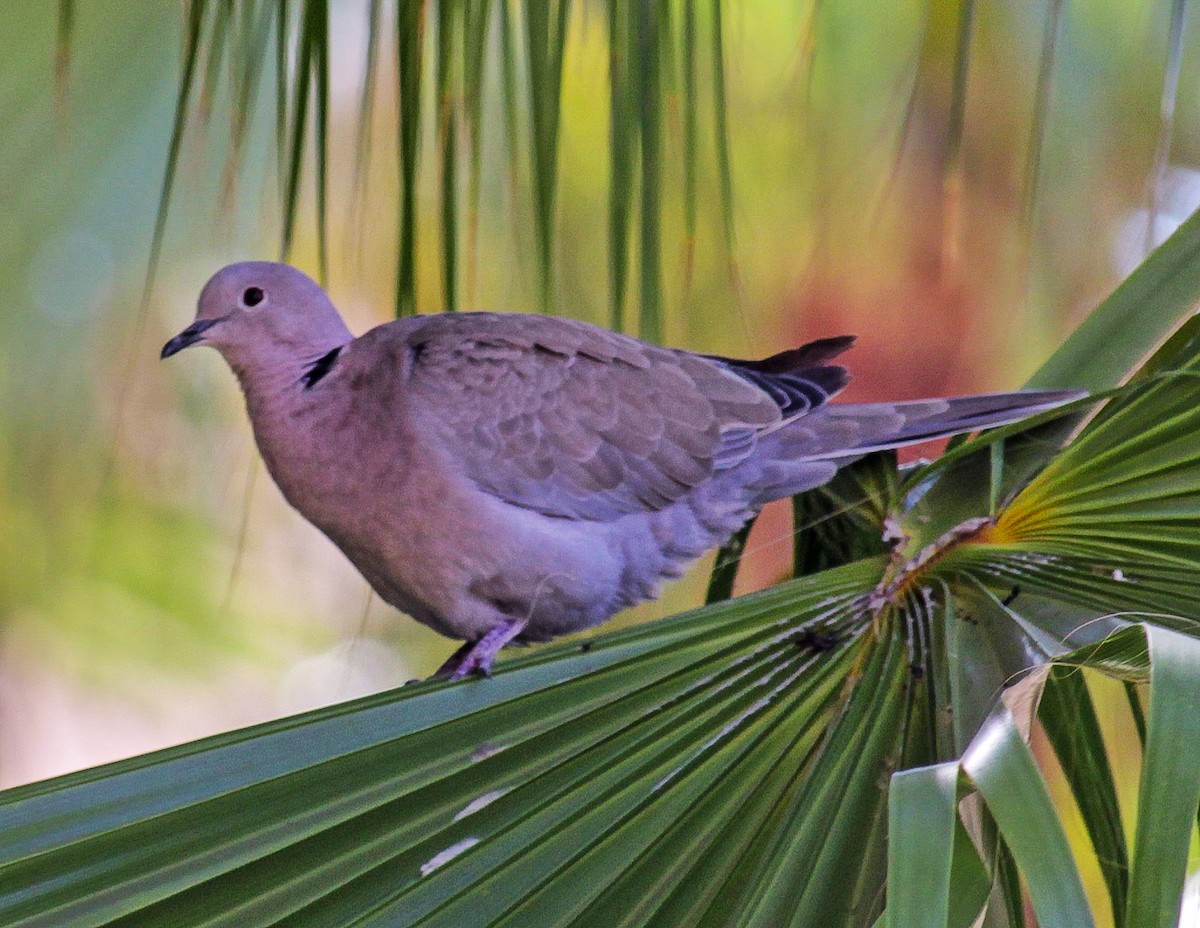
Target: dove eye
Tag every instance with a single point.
(253, 296)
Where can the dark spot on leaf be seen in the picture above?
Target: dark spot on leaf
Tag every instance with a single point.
(816, 640)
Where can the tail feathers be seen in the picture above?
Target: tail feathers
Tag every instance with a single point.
(860, 428)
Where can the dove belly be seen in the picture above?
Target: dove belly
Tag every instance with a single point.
(478, 563)
(462, 561)
(454, 557)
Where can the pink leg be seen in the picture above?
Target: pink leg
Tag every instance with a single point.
(477, 656)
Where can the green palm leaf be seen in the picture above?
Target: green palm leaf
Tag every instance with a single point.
(927, 802)
(438, 796)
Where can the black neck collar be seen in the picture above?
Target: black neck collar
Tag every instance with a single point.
(317, 370)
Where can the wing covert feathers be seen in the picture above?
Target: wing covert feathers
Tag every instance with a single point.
(575, 421)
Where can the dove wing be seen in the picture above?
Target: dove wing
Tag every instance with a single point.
(574, 421)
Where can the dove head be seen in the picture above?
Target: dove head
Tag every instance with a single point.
(263, 317)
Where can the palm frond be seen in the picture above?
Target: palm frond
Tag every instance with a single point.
(494, 799)
(999, 765)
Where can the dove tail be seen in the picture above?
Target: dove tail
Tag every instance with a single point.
(879, 426)
(808, 451)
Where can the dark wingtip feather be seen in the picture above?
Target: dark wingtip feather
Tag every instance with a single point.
(798, 380)
(799, 391)
(794, 360)
(831, 378)
(819, 352)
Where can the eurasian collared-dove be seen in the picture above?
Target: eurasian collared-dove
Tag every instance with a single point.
(506, 477)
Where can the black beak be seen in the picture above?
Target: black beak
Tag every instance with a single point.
(189, 336)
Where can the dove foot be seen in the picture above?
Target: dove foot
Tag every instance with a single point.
(475, 657)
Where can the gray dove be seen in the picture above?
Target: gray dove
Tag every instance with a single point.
(508, 478)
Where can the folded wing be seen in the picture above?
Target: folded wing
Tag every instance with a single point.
(575, 421)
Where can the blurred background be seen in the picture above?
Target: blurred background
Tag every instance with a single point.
(957, 183)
